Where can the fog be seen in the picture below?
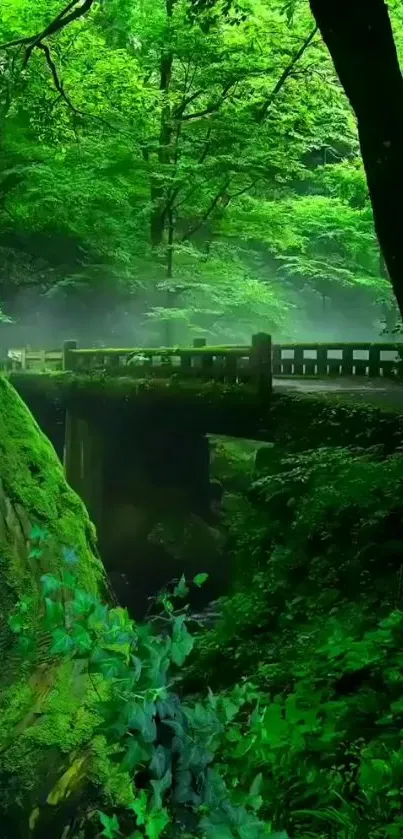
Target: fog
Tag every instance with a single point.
(40, 325)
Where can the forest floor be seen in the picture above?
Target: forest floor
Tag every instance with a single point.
(381, 392)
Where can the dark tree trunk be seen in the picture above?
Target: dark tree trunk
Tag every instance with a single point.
(359, 38)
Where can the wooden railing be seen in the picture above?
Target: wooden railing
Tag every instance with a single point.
(254, 363)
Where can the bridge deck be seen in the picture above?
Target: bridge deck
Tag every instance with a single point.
(379, 392)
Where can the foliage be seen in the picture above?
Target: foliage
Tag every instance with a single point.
(164, 745)
(199, 171)
(314, 624)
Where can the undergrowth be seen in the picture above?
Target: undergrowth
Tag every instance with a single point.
(315, 626)
(300, 734)
(163, 746)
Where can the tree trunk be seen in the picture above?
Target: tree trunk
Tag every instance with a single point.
(47, 706)
(359, 38)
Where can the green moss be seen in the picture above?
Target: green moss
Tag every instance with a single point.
(117, 786)
(47, 709)
(67, 384)
(33, 477)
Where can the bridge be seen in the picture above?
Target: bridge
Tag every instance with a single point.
(132, 425)
(254, 363)
(364, 371)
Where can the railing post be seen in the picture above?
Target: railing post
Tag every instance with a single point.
(276, 360)
(69, 359)
(260, 362)
(206, 361)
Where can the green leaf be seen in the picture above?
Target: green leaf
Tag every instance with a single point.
(83, 603)
(110, 825)
(139, 807)
(142, 720)
(82, 639)
(69, 580)
(156, 823)
(15, 623)
(181, 649)
(38, 534)
(110, 665)
(54, 612)
(50, 584)
(159, 787)
(200, 579)
(136, 755)
(158, 763)
(256, 784)
(62, 643)
(35, 553)
(69, 556)
(181, 590)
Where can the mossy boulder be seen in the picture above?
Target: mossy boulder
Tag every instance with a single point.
(47, 709)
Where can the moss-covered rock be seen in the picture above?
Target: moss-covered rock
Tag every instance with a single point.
(47, 709)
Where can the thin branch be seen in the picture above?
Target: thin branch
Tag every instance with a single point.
(243, 190)
(56, 81)
(213, 107)
(60, 89)
(285, 75)
(66, 16)
(192, 230)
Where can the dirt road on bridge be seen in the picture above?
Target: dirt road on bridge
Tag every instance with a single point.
(381, 393)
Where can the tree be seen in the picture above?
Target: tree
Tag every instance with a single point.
(186, 164)
(361, 43)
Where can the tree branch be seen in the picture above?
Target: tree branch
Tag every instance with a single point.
(210, 109)
(60, 89)
(70, 13)
(191, 230)
(285, 75)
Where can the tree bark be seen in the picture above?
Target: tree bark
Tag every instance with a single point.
(360, 40)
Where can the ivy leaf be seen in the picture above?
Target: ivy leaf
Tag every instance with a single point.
(15, 623)
(54, 612)
(82, 639)
(35, 553)
(156, 823)
(50, 584)
(182, 642)
(181, 590)
(107, 663)
(69, 556)
(69, 580)
(110, 825)
(144, 722)
(38, 534)
(181, 649)
(159, 787)
(215, 831)
(83, 603)
(158, 763)
(200, 579)
(62, 643)
(135, 755)
(139, 807)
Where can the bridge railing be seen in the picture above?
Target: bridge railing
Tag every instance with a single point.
(231, 364)
(337, 359)
(257, 362)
